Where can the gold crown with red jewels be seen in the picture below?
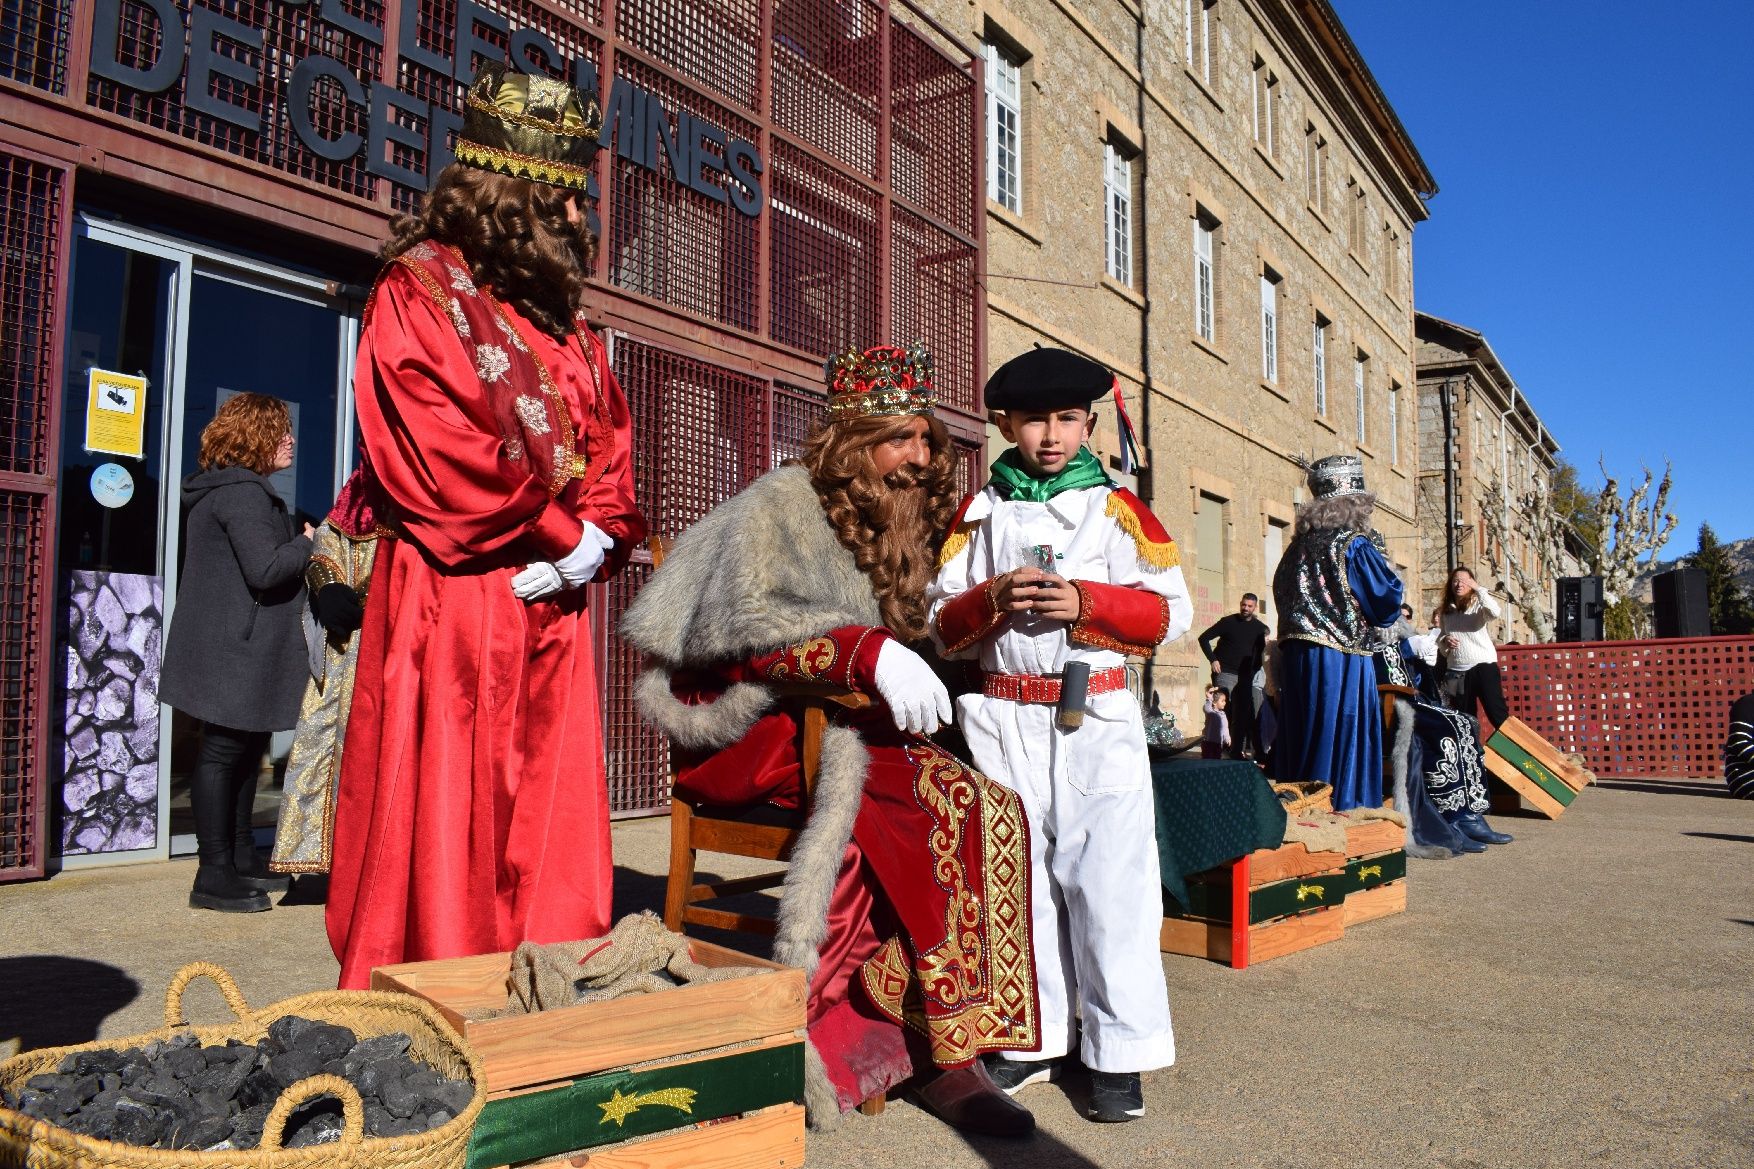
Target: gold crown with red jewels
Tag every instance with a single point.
(882, 381)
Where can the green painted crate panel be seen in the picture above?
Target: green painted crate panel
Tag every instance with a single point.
(1531, 767)
(1210, 901)
(614, 1106)
(1367, 872)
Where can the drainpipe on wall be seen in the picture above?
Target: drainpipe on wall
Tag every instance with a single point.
(1142, 250)
(1449, 473)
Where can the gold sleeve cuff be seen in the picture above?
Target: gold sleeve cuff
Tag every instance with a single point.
(322, 572)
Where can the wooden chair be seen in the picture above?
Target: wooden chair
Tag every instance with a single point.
(762, 832)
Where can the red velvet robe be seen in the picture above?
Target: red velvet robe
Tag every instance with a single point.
(929, 919)
(472, 811)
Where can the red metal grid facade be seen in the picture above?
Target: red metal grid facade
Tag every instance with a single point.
(864, 116)
(33, 201)
(1632, 708)
(33, 47)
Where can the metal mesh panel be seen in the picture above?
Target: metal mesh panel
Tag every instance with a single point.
(292, 34)
(438, 34)
(1632, 708)
(931, 136)
(30, 194)
(714, 42)
(671, 242)
(934, 301)
(33, 43)
(21, 617)
(795, 413)
(827, 76)
(637, 756)
(700, 436)
(825, 239)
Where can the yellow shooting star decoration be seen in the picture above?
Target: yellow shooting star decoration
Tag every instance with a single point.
(618, 1107)
(1304, 891)
(1369, 871)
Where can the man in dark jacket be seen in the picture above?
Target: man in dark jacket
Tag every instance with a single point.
(235, 653)
(1241, 642)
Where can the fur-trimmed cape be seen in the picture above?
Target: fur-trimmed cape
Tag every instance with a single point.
(762, 570)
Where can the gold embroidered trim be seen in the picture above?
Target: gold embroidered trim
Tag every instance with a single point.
(522, 166)
(1153, 557)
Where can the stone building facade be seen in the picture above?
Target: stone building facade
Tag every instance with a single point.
(1485, 458)
(1215, 199)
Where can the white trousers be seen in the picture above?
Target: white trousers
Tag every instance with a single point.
(1096, 897)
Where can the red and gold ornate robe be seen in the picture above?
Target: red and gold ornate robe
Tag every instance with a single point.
(472, 811)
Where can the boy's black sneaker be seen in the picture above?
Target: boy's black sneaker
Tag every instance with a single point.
(1013, 1075)
(1115, 1097)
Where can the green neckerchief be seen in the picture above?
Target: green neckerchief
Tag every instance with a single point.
(1012, 480)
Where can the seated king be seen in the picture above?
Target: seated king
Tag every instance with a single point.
(907, 899)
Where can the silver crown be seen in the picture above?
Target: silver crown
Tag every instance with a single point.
(1337, 475)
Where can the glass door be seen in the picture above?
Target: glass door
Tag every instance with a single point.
(172, 329)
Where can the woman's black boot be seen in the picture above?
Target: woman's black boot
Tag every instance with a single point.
(218, 886)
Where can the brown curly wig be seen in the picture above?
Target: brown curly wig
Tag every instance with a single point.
(892, 525)
(245, 432)
(516, 236)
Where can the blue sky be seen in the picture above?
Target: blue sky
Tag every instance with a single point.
(1596, 195)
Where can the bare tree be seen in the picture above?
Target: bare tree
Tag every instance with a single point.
(1527, 577)
(1633, 530)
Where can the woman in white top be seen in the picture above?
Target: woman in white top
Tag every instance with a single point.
(1470, 659)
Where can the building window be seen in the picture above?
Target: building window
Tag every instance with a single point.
(1266, 94)
(1270, 324)
(1205, 279)
(1273, 549)
(1394, 424)
(1199, 38)
(1360, 216)
(1392, 261)
(1117, 198)
(1319, 351)
(1004, 128)
(1358, 364)
(1210, 591)
(1315, 167)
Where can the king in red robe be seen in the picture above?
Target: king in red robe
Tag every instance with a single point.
(472, 810)
(907, 899)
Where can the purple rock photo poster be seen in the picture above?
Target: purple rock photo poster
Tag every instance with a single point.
(109, 790)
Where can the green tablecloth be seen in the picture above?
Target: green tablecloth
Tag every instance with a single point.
(1210, 811)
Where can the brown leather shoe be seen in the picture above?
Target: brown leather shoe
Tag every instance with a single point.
(967, 1098)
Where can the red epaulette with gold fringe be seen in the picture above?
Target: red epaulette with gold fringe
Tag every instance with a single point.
(1157, 551)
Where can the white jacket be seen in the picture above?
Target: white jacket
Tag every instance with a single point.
(1471, 630)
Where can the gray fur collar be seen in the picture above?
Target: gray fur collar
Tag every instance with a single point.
(761, 570)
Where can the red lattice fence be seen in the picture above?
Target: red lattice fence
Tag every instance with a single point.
(1632, 708)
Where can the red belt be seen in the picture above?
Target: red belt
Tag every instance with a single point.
(1046, 687)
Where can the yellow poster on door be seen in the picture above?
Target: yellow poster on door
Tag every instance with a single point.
(115, 414)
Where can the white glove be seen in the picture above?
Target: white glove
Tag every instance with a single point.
(537, 581)
(581, 564)
(916, 699)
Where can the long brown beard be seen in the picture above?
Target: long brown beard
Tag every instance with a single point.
(892, 525)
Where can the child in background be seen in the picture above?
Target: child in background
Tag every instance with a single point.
(1216, 738)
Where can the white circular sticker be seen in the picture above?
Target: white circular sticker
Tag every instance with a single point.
(111, 485)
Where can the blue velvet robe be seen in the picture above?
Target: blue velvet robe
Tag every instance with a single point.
(1330, 720)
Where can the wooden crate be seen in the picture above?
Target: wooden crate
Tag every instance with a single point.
(1277, 901)
(1529, 766)
(717, 1068)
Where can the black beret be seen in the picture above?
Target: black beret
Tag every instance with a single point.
(1047, 379)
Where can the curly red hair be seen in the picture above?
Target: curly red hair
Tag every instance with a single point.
(516, 236)
(246, 432)
(893, 533)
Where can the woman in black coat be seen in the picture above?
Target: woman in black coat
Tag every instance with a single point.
(235, 654)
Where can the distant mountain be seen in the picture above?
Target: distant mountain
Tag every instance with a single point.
(1741, 555)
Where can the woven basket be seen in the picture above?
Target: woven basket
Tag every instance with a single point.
(29, 1143)
(1305, 796)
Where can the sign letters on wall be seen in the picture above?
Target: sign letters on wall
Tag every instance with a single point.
(636, 123)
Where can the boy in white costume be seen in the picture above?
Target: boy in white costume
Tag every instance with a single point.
(1116, 589)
